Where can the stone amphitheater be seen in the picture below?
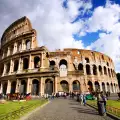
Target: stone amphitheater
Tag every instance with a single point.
(27, 68)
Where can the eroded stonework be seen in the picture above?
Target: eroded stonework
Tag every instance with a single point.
(27, 68)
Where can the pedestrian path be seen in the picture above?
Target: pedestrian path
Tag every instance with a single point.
(66, 109)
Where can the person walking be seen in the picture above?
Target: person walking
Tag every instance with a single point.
(81, 99)
(104, 99)
(84, 99)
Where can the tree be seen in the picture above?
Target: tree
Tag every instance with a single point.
(118, 77)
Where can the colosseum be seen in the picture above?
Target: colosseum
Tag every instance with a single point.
(27, 68)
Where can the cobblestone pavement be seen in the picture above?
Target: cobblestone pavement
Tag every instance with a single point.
(64, 109)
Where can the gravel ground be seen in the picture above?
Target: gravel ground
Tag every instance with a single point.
(66, 109)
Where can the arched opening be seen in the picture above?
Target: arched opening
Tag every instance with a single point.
(107, 64)
(63, 62)
(8, 67)
(112, 88)
(100, 70)
(28, 44)
(65, 86)
(109, 72)
(4, 88)
(16, 63)
(108, 87)
(23, 87)
(2, 68)
(90, 88)
(25, 63)
(36, 62)
(105, 70)
(87, 60)
(94, 70)
(97, 86)
(76, 86)
(103, 87)
(11, 49)
(102, 57)
(80, 66)
(35, 87)
(52, 64)
(13, 87)
(88, 69)
(49, 86)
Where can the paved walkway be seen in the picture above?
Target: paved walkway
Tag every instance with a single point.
(64, 109)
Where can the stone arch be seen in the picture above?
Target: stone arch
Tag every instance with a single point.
(8, 67)
(4, 88)
(90, 86)
(2, 68)
(52, 64)
(65, 86)
(28, 44)
(13, 87)
(25, 63)
(105, 70)
(94, 70)
(97, 86)
(36, 62)
(100, 70)
(87, 60)
(107, 64)
(11, 49)
(88, 69)
(80, 66)
(76, 86)
(35, 87)
(109, 72)
(108, 87)
(49, 86)
(103, 87)
(23, 87)
(16, 64)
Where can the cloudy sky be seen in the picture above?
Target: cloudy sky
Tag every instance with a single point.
(87, 24)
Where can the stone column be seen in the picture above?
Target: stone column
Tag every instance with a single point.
(42, 86)
(17, 90)
(42, 59)
(56, 80)
(84, 69)
(91, 69)
(15, 48)
(11, 66)
(30, 62)
(1, 88)
(93, 86)
(20, 65)
(106, 87)
(8, 52)
(8, 87)
(98, 73)
(100, 84)
(23, 45)
(4, 70)
(28, 85)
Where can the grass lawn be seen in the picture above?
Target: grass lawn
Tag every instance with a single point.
(113, 106)
(10, 106)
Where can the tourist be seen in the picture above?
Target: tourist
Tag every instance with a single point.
(104, 98)
(84, 99)
(81, 98)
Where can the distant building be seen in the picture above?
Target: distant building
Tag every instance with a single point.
(27, 68)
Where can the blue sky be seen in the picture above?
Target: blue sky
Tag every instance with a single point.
(82, 24)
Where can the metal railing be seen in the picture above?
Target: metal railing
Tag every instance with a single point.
(113, 110)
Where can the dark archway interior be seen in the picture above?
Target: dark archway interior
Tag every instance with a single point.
(87, 60)
(76, 86)
(97, 86)
(90, 86)
(25, 63)
(35, 87)
(16, 63)
(94, 70)
(100, 70)
(103, 87)
(105, 70)
(2, 68)
(52, 65)
(88, 69)
(27, 44)
(23, 87)
(13, 87)
(36, 62)
(49, 86)
(63, 62)
(80, 67)
(4, 88)
(8, 68)
(64, 85)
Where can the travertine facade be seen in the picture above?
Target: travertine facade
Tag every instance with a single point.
(27, 68)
